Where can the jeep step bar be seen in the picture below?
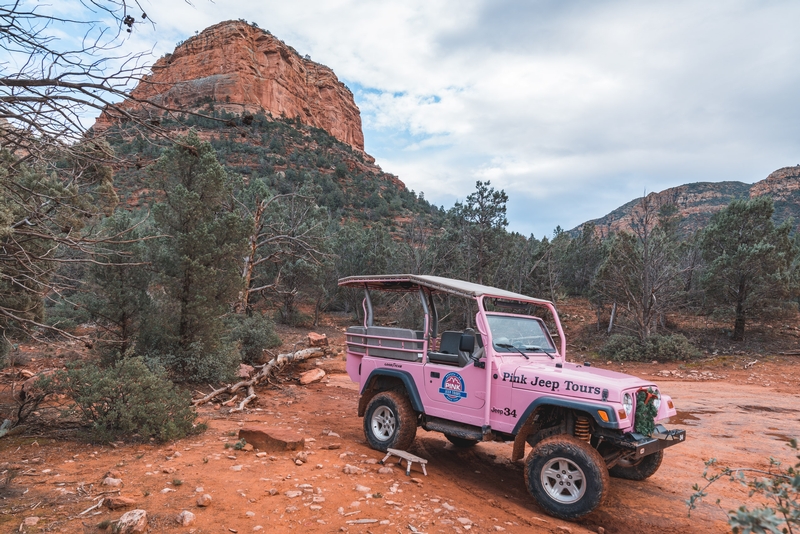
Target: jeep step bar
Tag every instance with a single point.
(459, 430)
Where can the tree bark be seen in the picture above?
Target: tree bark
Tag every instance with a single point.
(266, 371)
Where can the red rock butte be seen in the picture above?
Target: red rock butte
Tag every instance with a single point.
(244, 69)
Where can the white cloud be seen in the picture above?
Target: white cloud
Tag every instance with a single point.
(576, 106)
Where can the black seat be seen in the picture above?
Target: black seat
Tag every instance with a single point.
(449, 352)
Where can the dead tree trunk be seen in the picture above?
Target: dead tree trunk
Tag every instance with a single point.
(266, 371)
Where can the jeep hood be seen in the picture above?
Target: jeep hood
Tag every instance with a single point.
(576, 381)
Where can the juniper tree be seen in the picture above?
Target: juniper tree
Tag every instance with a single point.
(198, 264)
(641, 273)
(116, 290)
(484, 222)
(749, 260)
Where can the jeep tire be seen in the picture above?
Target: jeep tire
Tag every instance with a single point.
(390, 421)
(566, 476)
(640, 469)
(462, 443)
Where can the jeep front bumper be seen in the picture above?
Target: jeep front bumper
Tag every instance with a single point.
(660, 440)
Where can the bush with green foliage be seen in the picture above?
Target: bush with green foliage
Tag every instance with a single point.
(778, 489)
(198, 265)
(4, 347)
(128, 400)
(656, 347)
(253, 334)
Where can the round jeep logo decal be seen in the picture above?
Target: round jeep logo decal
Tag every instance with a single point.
(453, 387)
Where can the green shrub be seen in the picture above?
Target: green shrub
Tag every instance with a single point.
(200, 365)
(128, 400)
(4, 347)
(656, 347)
(777, 509)
(253, 334)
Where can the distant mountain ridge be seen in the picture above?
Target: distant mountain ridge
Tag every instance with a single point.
(697, 202)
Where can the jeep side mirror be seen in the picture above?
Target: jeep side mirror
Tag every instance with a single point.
(467, 343)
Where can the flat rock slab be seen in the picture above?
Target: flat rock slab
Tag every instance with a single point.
(314, 375)
(272, 439)
(116, 502)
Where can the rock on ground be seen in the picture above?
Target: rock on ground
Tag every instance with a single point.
(272, 439)
(317, 340)
(314, 375)
(131, 522)
(186, 518)
(117, 502)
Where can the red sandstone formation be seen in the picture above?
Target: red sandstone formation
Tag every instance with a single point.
(244, 69)
(781, 185)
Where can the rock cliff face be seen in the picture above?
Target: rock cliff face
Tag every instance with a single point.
(244, 69)
(697, 202)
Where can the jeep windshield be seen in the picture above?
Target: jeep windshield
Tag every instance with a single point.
(515, 334)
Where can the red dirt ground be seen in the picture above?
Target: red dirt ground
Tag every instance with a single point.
(741, 416)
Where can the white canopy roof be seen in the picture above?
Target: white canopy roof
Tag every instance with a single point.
(410, 282)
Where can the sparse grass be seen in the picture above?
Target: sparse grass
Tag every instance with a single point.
(177, 482)
(104, 524)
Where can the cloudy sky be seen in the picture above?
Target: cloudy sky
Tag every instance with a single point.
(573, 108)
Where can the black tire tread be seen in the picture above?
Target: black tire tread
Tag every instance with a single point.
(644, 468)
(406, 421)
(565, 443)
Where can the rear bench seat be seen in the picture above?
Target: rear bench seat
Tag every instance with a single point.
(386, 348)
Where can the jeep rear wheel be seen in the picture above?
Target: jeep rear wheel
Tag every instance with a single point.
(390, 421)
(566, 476)
(637, 470)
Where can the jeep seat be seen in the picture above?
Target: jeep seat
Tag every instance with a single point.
(448, 352)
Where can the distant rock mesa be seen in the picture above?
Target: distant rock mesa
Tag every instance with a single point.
(697, 202)
(243, 69)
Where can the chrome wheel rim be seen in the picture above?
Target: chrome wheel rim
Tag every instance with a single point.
(563, 480)
(383, 423)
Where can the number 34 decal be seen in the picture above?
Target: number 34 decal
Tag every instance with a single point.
(508, 412)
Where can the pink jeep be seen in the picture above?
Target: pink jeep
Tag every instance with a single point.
(505, 380)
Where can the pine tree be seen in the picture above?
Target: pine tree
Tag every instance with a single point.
(198, 263)
(641, 273)
(749, 260)
(116, 295)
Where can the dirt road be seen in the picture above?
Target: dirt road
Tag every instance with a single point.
(741, 419)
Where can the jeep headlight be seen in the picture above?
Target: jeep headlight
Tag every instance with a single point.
(627, 403)
(657, 400)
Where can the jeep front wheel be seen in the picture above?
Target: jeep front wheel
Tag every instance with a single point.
(637, 470)
(390, 421)
(566, 476)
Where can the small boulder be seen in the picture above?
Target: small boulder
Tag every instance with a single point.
(204, 500)
(30, 521)
(131, 522)
(186, 518)
(309, 377)
(113, 482)
(352, 470)
(272, 439)
(117, 502)
(317, 340)
(245, 370)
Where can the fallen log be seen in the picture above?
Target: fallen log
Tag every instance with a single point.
(265, 372)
